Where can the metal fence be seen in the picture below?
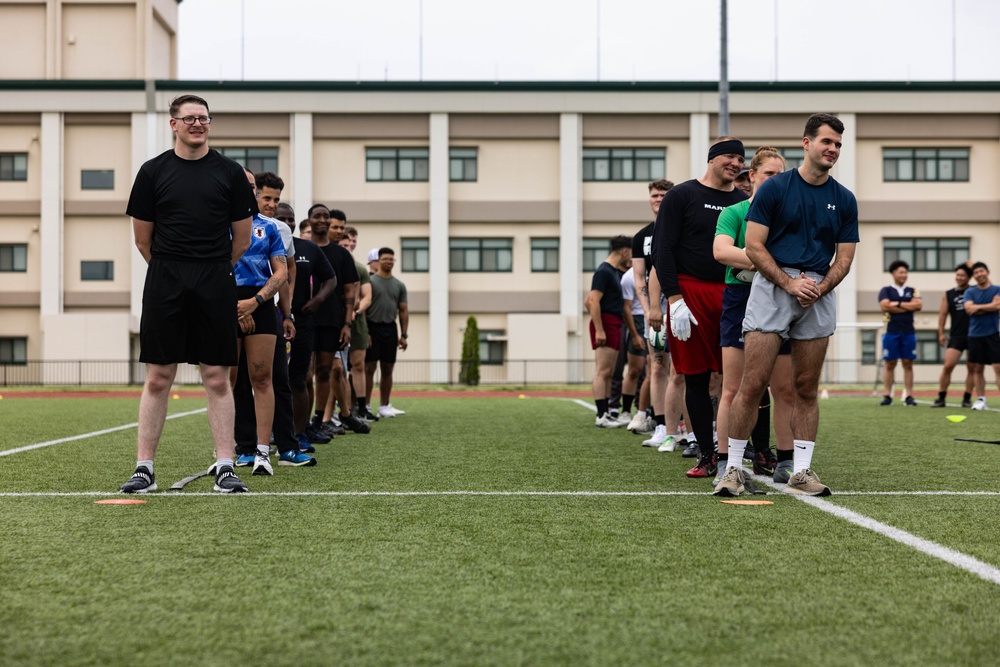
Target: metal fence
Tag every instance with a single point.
(518, 372)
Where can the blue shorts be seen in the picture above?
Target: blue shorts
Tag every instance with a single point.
(899, 346)
(734, 308)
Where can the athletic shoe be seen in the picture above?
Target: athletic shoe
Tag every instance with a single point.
(886, 400)
(367, 415)
(304, 444)
(294, 458)
(659, 437)
(980, 404)
(966, 404)
(909, 402)
(395, 411)
(607, 421)
(707, 465)
(262, 464)
(783, 472)
(638, 422)
(720, 472)
(356, 425)
(648, 427)
(624, 418)
(806, 483)
(332, 428)
(764, 463)
(731, 484)
(938, 403)
(316, 436)
(244, 460)
(692, 450)
(669, 445)
(141, 481)
(748, 453)
(385, 412)
(226, 481)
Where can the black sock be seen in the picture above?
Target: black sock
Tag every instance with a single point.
(941, 395)
(627, 402)
(761, 434)
(723, 457)
(786, 455)
(661, 420)
(602, 406)
(361, 405)
(699, 405)
(966, 397)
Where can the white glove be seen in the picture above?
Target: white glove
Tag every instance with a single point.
(681, 320)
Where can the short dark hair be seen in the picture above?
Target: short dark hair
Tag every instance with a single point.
(818, 120)
(268, 179)
(304, 225)
(349, 231)
(337, 214)
(181, 100)
(980, 265)
(620, 241)
(964, 268)
(898, 264)
(662, 184)
(386, 251)
(316, 206)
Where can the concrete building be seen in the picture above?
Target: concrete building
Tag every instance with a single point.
(497, 197)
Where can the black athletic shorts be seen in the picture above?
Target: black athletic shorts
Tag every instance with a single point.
(302, 347)
(327, 339)
(265, 317)
(734, 309)
(188, 313)
(959, 343)
(984, 349)
(385, 342)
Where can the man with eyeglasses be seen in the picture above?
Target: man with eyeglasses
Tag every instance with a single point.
(191, 211)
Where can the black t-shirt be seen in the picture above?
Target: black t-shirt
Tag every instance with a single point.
(685, 231)
(956, 307)
(192, 204)
(608, 281)
(312, 269)
(331, 311)
(642, 246)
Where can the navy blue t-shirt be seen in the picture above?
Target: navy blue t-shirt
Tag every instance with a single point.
(806, 222)
(607, 280)
(983, 324)
(898, 323)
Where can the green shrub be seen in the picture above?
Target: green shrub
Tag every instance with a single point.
(469, 372)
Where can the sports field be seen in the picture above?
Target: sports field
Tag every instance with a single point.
(496, 531)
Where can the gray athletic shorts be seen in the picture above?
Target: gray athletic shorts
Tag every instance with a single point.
(773, 310)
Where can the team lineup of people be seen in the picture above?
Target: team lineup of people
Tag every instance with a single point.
(217, 239)
(747, 279)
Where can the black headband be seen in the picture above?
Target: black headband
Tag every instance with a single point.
(727, 147)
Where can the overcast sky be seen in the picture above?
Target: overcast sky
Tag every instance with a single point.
(587, 40)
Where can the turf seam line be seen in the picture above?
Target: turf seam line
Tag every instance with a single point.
(941, 552)
(83, 436)
(597, 494)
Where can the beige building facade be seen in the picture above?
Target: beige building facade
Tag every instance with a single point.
(497, 198)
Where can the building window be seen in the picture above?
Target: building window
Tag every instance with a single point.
(595, 251)
(491, 345)
(97, 179)
(396, 164)
(482, 255)
(14, 258)
(463, 164)
(793, 157)
(929, 350)
(13, 351)
(624, 164)
(869, 350)
(13, 167)
(940, 255)
(254, 159)
(97, 270)
(544, 255)
(925, 164)
(416, 255)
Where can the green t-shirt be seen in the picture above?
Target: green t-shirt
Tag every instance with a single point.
(732, 223)
(359, 332)
(387, 294)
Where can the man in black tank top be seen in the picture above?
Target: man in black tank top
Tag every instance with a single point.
(957, 339)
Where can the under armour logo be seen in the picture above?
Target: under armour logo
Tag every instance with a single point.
(831, 207)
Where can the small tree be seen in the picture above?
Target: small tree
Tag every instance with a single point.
(469, 371)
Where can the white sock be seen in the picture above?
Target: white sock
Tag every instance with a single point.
(736, 449)
(221, 463)
(148, 465)
(264, 450)
(802, 458)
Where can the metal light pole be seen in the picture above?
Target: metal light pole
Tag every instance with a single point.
(724, 75)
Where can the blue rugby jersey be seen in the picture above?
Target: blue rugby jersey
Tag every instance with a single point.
(254, 267)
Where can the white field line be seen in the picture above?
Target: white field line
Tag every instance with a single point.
(598, 494)
(592, 408)
(93, 434)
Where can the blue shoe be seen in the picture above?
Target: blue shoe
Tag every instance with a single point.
(295, 458)
(304, 444)
(244, 460)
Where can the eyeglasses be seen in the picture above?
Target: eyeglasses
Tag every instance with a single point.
(189, 120)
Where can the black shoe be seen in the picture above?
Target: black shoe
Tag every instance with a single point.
(748, 454)
(886, 400)
(692, 451)
(332, 429)
(141, 481)
(356, 425)
(966, 404)
(909, 402)
(764, 463)
(316, 436)
(367, 415)
(226, 481)
(938, 403)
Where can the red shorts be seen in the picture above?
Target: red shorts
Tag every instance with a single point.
(701, 352)
(612, 331)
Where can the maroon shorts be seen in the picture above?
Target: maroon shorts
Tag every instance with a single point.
(701, 352)
(612, 331)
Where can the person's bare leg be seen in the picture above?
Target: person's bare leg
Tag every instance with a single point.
(221, 413)
(888, 376)
(732, 375)
(153, 407)
(323, 373)
(675, 405)
(260, 359)
(908, 376)
(951, 357)
(385, 383)
(338, 383)
(358, 379)
(807, 364)
(760, 351)
(783, 395)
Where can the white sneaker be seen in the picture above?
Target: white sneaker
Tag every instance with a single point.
(659, 437)
(262, 464)
(607, 421)
(980, 404)
(648, 428)
(638, 422)
(386, 412)
(625, 418)
(669, 445)
(395, 411)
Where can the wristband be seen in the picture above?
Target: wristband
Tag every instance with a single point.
(404, 336)
(259, 298)
(288, 317)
